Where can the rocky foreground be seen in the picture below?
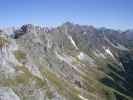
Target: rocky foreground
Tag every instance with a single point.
(69, 62)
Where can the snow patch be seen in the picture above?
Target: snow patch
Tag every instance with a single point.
(99, 54)
(84, 57)
(72, 41)
(122, 47)
(81, 56)
(118, 46)
(81, 97)
(68, 60)
(107, 50)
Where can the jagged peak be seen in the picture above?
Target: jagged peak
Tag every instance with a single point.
(29, 28)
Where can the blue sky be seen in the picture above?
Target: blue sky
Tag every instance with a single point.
(116, 14)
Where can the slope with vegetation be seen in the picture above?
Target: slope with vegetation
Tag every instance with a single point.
(69, 62)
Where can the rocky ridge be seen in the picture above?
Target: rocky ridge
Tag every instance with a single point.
(69, 62)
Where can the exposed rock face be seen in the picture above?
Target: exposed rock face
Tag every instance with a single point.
(7, 94)
(70, 62)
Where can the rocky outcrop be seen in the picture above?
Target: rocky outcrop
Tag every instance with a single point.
(70, 62)
(8, 94)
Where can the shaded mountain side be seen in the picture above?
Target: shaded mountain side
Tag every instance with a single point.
(69, 62)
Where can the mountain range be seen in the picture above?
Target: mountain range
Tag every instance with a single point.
(68, 62)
